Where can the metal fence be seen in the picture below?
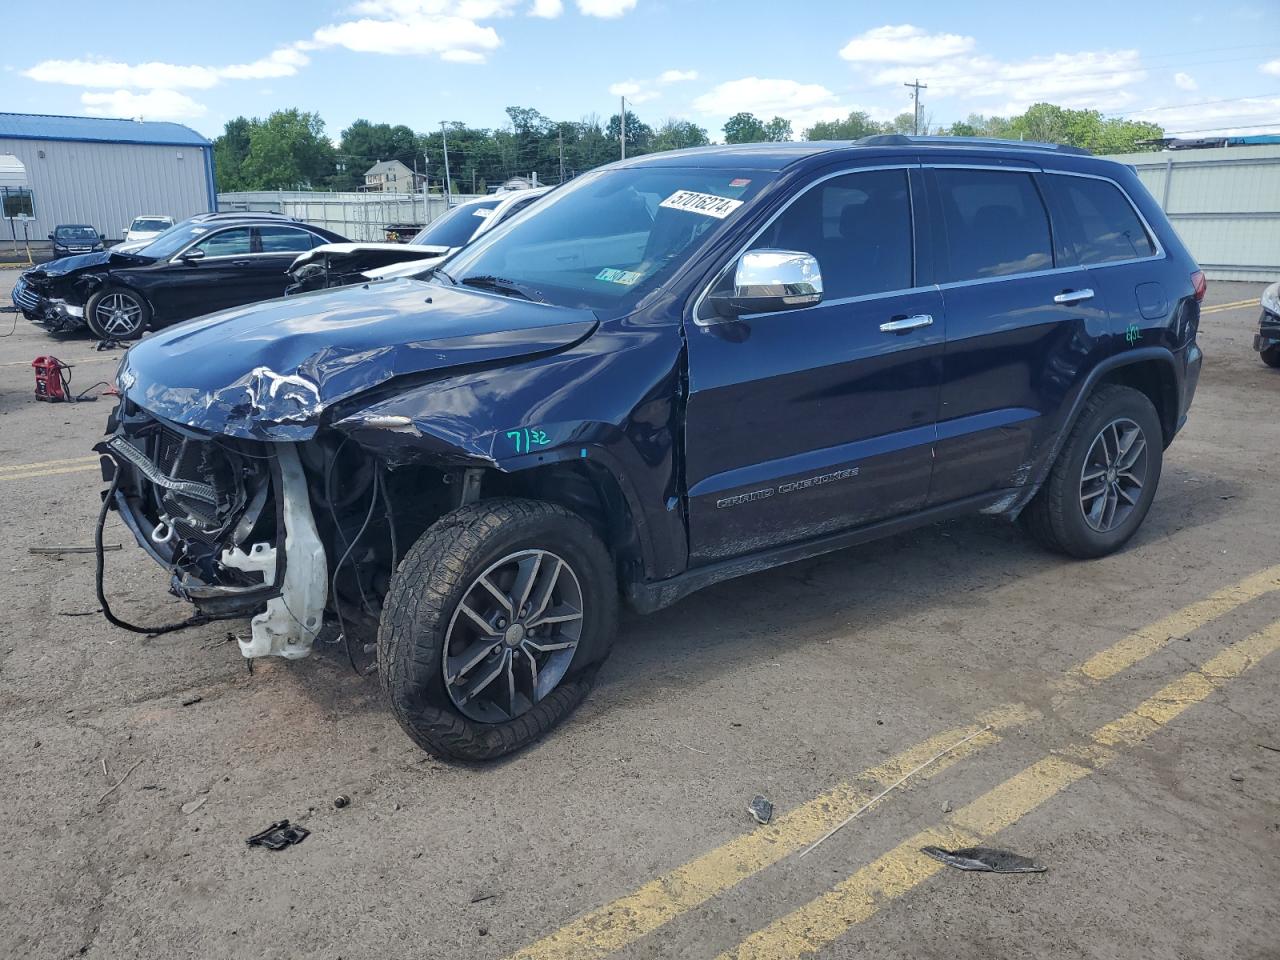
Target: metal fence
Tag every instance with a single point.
(1224, 203)
(357, 216)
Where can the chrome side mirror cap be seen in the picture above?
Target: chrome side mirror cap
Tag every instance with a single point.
(766, 281)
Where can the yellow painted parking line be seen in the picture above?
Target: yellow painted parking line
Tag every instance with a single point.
(1219, 307)
(1142, 643)
(39, 465)
(70, 363)
(83, 468)
(616, 924)
(856, 899)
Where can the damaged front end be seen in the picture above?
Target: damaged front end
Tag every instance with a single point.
(230, 519)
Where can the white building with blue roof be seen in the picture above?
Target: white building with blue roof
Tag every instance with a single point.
(105, 172)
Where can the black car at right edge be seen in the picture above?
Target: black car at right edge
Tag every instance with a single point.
(1267, 339)
(683, 367)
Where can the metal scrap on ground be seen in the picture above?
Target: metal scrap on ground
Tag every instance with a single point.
(984, 860)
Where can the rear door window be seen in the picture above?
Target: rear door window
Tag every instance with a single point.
(1099, 220)
(859, 228)
(285, 240)
(996, 224)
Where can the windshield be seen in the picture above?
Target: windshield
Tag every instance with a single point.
(150, 225)
(76, 233)
(171, 241)
(455, 228)
(608, 238)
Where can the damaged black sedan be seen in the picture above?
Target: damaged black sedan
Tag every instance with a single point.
(198, 267)
(681, 368)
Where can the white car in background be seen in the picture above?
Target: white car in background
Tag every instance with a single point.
(338, 264)
(147, 227)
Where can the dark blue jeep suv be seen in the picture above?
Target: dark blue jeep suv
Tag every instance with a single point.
(676, 369)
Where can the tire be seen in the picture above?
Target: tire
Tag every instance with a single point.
(125, 314)
(1271, 356)
(424, 631)
(1066, 515)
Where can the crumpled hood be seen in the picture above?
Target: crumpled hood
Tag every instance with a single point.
(268, 371)
(81, 261)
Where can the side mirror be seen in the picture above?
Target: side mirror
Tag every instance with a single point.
(51, 236)
(102, 237)
(194, 254)
(766, 281)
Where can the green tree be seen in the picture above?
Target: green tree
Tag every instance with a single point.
(853, 127)
(1050, 123)
(288, 150)
(745, 128)
(679, 134)
(229, 153)
(777, 130)
(639, 134)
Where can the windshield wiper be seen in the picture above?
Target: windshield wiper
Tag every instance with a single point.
(501, 285)
(440, 273)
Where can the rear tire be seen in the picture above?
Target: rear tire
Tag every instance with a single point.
(435, 655)
(117, 313)
(1271, 356)
(1102, 484)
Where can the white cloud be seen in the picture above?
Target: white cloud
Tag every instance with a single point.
(606, 8)
(1083, 77)
(804, 104)
(904, 43)
(1184, 81)
(1272, 67)
(677, 76)
(152, 105)
(1251, 115)
(419, 35)
(547, 9)
(633, 91)
(156, 75)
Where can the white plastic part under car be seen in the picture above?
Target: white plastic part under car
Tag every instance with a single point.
(289, 625)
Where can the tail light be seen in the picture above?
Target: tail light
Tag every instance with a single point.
(1199, 285)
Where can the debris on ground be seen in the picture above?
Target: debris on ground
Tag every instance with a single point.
(761, 809)
(482, 895)
(1237, 776)
(192, 701)
(984, 860)
(279, 835)
(191, 806)
(55, 549)
(1267, 746)
(342, 800)
(113, 787)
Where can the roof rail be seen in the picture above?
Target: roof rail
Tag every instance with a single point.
(900, 140)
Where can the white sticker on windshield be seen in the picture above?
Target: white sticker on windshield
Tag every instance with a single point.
(707, 204)
(624, 277)
(482, 212)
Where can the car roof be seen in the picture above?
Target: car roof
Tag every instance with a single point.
(778, 156)
(78, 226)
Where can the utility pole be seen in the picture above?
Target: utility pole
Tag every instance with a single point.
(915, 98)
(623, 138)
(448, 181)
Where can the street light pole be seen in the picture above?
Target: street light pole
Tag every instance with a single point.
(448, 181)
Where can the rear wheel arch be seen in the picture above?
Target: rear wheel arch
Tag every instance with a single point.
(1156, 378)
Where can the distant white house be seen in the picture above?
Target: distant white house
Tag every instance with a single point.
(391, 176)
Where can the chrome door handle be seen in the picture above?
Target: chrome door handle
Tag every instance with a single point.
(1074, 296)
(906, 323)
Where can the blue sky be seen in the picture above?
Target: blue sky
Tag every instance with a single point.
(1190, 67)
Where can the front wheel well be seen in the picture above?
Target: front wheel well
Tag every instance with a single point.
(591, 492)
(1155, 379)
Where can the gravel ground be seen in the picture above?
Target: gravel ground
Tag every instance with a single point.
(784, 684)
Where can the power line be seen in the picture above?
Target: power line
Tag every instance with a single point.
(1236, 126)
(1197, 103)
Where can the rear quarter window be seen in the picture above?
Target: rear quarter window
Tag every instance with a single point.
(996, 224)
(1099, 220)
